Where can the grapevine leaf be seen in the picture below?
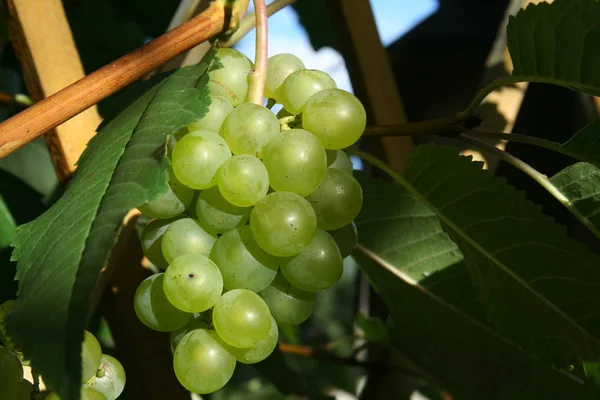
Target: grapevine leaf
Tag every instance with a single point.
(447, 345)
(558, 43)
(402, 231)
(580, 184)
(538, 286)
(61, 253)
(586, 143)
(8, 227)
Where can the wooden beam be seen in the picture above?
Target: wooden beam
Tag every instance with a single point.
(43, 42)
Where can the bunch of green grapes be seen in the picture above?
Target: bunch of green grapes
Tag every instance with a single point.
(103, 377)
(257, 220)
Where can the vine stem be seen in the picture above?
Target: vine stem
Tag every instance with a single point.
(258, 76)
(534, 174)
(546, 144)
(249, 22)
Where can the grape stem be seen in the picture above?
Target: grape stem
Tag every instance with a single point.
(440, 126)
(258, 76)
(249, 22)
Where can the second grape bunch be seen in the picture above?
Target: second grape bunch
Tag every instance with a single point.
(257, 219)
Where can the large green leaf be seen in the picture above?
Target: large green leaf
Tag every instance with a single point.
(8, 227)
(61, 253)
(538, 285)
(586, 143)
(402, 231)
(558, 43)
(457, 352)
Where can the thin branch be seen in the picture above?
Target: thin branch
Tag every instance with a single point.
(440, 126)
(546, 144)
(258, 76)
(70, 101)
(249, 22)
(534, 174)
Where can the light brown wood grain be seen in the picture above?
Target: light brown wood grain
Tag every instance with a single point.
(70, 101)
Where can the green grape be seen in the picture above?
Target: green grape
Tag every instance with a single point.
(234, 75)
(337, 201)
(241, 318)
(346, 238)
(11, 374)
(154, 309)
(170, 204)
(202, 362)
(248, 129)
(217, 214)
(299, 86)
(296, 162)
(193, 283)
(87, 393)
(336, 117)
(283, 223)
(338, 159)
(25, 389)
(213, 119)
(186, 236)
(317, 267)
(4, 309)
(216, 90)
(243, 180)
(243, 264)
(109, 379)
(91, 354)
(197, 323)
(197, 157)
(259, 351)
(279, 67)
(288, 304)
(151, 239)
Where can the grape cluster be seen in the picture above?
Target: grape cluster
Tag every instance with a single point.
(257, 219)
(103, 377)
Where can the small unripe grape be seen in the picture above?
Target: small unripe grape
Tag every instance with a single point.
(218, 110)
(243, 180)
(296, 162)
(110, 378)
(260, 350)
(91, 355)
(248, 129)
(299, 86)
(337, 201)
(151, 239)
(171, 203)
(336, 117)
(186, 236)
(288, 304)
(233, 77)
(338, 159)
(279, 67)
(218, 214)
(197, 157)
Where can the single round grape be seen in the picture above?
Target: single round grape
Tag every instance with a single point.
(154, 309)
(288, 304)
(87, 393)
(338, 159)
(336, 117)
(109, 379)
(296, 162)
(248, 129)
(25, 389)
(346, 238)
(243, 264)
(193, 283)
(317, 267)
(202, 362)
(197, 323)
(279, 67)
(186, 236)
(4, 309)
(217, 214)
(197, 157)
(283, 223)
(259, 351)
(241, 318)
(151, 239)
(218, 110)
(217, 90)
(337, 201)
(243, 180)
(11, 374)
(170, 204)
(300, 85)
(233, 77)
(91, 354)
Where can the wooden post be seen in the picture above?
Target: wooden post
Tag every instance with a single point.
(44, 45)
